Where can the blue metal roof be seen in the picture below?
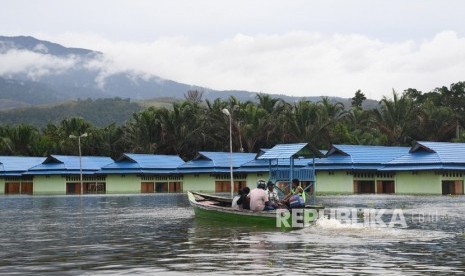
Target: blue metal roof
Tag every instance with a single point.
(446, 152)
(206, 159)
(368, 154)
(131, 163)
(215, 162)
(417, 157)
(335, 167)
(425, 167)
(422, 156)
(358, 157)
(287, 151)
(16, 165)
(63, 164)
(156, 161)
(430, 156)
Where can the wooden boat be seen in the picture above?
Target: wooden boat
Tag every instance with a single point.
(213, 207)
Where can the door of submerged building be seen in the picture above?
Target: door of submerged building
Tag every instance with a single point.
(452, 187)
(385, 187)
(364, 186)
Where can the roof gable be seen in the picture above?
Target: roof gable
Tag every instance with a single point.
(287, 151)
(18, 163)
(223, 159)
(65, 162)
(429, 155)
(147, 161)
(368, 154)
(419, 147)
(206, 159)
(444, 152)
(334, 150)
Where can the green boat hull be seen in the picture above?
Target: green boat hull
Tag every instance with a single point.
(234, 218)
(281, 218)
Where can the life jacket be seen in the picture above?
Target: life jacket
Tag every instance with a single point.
(303, 194)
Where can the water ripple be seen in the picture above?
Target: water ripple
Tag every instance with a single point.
(151, 234)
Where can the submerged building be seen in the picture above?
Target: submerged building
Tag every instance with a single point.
(143, 173)
(12, 168)
(61, 174)
(425, 168)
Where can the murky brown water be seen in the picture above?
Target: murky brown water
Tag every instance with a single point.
(151, 234)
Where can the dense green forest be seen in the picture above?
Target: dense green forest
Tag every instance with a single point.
(194, 124)
(101, 112)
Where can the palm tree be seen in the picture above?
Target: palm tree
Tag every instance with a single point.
(107, 141)
(362, 127)
(269, 104)
(255, 127)
(395, 119)
(435, 123)
(182, 129)
(19, 140)
(142, 132)
(301, 123)
(331, 116)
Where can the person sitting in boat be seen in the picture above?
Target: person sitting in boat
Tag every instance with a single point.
(234, 204)
(296, 198)
(244, 202)
(273, 197)
(259, 198)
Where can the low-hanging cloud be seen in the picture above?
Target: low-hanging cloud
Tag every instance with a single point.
(295, 63)
(34, 64)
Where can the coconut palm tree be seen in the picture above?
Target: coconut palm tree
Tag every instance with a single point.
(394, 119)
(435, 123)
(255, 127)
(142, 132)
(182, 129)
(19, 140)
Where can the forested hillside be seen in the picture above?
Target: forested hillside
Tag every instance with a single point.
(194, 124)
(100, 112)
(15, 93)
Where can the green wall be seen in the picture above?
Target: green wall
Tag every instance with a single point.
(337, 182)
(252, 179)
(418, 183)
(49, 185)
(199, 183)
(206, 183)
(119, 184)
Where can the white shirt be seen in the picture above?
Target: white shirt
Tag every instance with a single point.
(234, 202)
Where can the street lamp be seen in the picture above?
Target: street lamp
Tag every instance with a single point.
(80, 156)
(226, 112)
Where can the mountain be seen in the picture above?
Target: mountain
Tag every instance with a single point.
(16, 93)
(32, 44)
(44, 72)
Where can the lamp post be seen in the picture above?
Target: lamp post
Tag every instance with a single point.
(80, 156)
(226, 112)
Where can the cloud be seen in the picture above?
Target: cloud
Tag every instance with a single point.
(293, 63)
(34, 64)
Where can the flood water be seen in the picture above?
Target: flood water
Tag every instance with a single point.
(158, 234)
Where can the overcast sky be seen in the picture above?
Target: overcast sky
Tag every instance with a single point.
(299, 48)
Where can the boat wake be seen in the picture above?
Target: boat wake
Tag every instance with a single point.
(332, 231)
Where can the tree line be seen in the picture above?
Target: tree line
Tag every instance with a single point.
(101, 112)
(196, 125)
